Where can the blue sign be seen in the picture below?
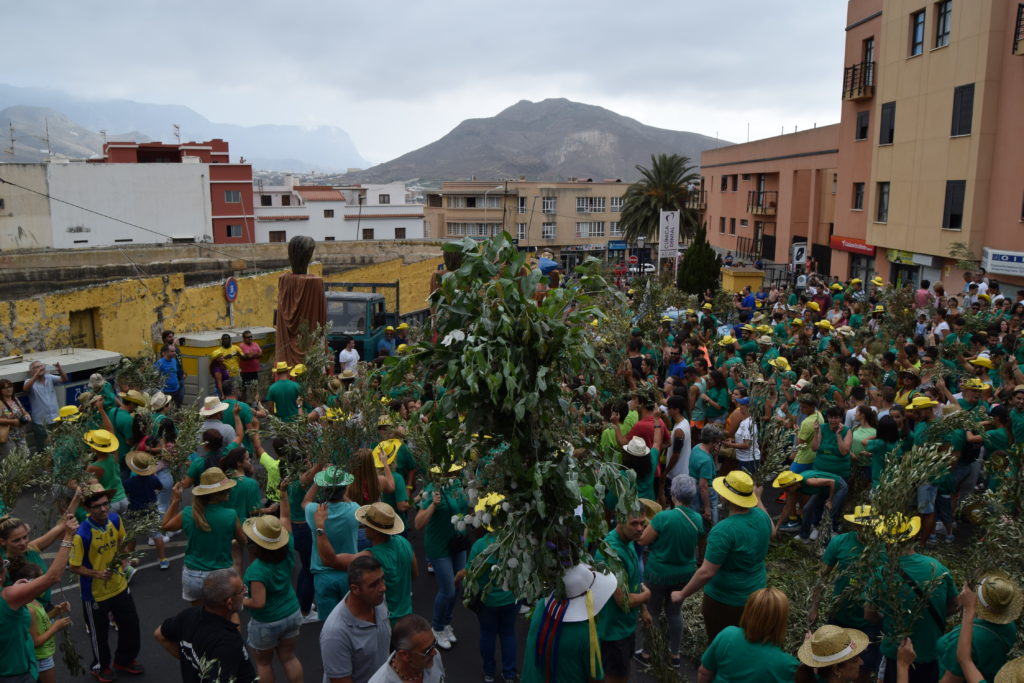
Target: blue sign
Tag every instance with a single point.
(616, 245)
(231, 289)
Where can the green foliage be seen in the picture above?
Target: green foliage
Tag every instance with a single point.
(965, 257)
(701, 267)
(663, 187)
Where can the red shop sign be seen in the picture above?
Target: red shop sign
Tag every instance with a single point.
(851, 244)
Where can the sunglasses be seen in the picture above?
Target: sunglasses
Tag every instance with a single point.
(429, 652)
(99, 506)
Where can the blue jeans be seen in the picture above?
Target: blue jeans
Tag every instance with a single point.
(163, 496)
(698, 505)
(445, 569)
(498, 622)
(304, 546)
(815, 507)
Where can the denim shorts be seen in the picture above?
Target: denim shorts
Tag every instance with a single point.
(46, 663)
(192, 584)
(926, 494)
(267, 635)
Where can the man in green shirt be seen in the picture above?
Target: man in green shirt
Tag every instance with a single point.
(282, 396)
(805, 453)
(617, 621)
(997, 604)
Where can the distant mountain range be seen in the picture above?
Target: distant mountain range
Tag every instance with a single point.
(549, 140)
(75, 123)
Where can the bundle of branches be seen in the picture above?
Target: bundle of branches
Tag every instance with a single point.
(20, 469)
(900, 316)
(137, 524)
(134, 372)
(188, 425)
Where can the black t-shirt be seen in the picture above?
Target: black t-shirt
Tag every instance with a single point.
(206, 637)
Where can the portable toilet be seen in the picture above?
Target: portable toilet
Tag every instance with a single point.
(194, 349)
(78, 364)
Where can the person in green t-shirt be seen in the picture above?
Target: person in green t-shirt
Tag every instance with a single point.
(271, 600)
(996, 600)
(965, 651)
(832, 444)
(751, 652)
(283, 395)
(809, 421)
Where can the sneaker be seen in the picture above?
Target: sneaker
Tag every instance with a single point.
(150, 541)
(642, 659)
(805, 540)
(103, 675)
(950, 538)
(933, 540)
(442, 640)
(165, 564)
(312, 617)
(167, 538)
(814, 534)
(450, 634)
(488, 679)
(430, 567)
(132, 668)
(790, 526)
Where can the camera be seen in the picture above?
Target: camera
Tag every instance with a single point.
(24, 419)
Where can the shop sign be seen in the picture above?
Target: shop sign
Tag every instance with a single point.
(616, 245)
(898, 256)
(1000, 262)
(851, 244)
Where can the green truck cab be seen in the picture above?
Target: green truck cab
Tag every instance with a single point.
(357, 315)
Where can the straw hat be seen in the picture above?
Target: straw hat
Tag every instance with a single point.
(786, 479)
(95, 490)
(402, 348)
(141, 463)
(134, 396)
(403, 326)
(386, 451)
(213, 405)
(211, 481)
(802, 384)
(266, 532)
(748, 328)
(707, 307)
(855, 281)
(96, 381)
(101, 440)
(649, 507)
(877, 281)
(489, 502)
(389, 328)
(1012, 672)
(637, 447)
(727, 340)
(68, 414)
(630, 291)
(333, 477)
(281, 366)
(384, 420)
(863, 515)
(921, 402)
(813, 305)
(452, 469)
(846, 331)
(983, 361)
(380, 517)
(779, 363)
(879, 308)
(348, 374)
(86, 397)
(835, 287)
(975, 384)
(798, 322)
(831, 645)
(765, 339)
(666, 319)
(159, 401)
(999, 598)
(299, 369)
(736, 487)
(579, 581)
(824, 324)
(898, 527)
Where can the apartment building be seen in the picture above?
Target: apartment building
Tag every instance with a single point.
(929, 150)
(574, 219)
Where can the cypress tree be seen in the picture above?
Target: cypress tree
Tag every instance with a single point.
(701, 266)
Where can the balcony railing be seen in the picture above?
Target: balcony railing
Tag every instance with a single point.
(697, 199)
(1018, 32)
(859, 81)
(762, 203)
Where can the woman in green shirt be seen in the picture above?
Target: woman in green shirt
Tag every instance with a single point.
(15, 543)
(274, 607)
(832, 655)
(643, 461)
(210, 525)
(716, 398)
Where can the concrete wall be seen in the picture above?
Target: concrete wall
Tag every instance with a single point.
(25, 216)
(127, 316)
(170, 199)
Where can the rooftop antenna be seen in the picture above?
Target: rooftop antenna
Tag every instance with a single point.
(10, 150)
(177, 132)
(46, 137)
(103, 132)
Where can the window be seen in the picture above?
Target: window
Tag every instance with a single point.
(469, 203)
(266, 200)
(328, 238)
(868, 50)
(383, 199)
(547, 231)
(721, 225)
(492, 202)
(328, 213)
(835, 182)
(521, 231)
(943, 19)
(616, 204)
(278, 236)
(887, 127)
(367, 233)
(233, 196)
(548, 204)
(743, 223)
(399, 233)
(863, 118)
(286, 200)
(732, 226)
(590, 205)
(735, 181)
(234, 230)
(522, 205)
(963, 109)
(614, 230)
(858, 196)
(882, 214)
(746, 176)
(953, 211)
(590, 229)
(916, 33)
(725, 183)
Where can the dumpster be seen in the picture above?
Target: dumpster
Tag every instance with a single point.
(78, 364)
(194, 349)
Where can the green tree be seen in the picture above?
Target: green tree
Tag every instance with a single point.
(700, 267)
(663, 187)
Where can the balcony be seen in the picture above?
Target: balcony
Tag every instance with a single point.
(1018, 31)
(762, 203)
(859, 81)
(759, 247)
(697, 199)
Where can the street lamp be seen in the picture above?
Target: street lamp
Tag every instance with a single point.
(640, 242)
(499, 187)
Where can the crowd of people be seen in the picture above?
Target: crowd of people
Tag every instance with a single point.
(824, 365)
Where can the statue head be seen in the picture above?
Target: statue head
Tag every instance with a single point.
(300, 253)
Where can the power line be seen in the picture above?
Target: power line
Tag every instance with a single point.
(116, 219)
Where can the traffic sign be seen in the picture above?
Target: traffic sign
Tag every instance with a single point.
(231, 289)
(633, 260)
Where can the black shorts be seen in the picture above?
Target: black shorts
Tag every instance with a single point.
(616, 655)
(250, 377)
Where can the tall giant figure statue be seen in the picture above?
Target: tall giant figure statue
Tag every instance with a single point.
(300, 300)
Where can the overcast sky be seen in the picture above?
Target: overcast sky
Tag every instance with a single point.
(398, 75)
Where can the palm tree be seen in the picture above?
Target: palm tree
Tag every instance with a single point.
(663, 187)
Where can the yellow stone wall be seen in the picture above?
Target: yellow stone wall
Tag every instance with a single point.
(127, 316)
